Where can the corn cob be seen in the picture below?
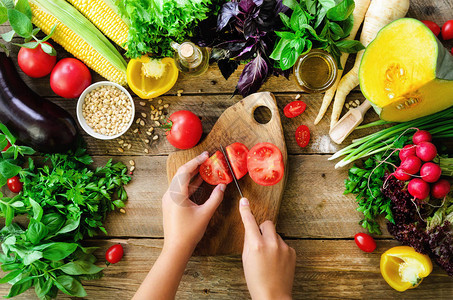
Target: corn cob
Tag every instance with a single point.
(103, 15)
(80, 37)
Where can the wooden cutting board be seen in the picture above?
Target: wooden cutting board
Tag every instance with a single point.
(225, 232)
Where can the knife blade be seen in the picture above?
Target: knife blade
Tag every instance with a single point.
(231, 170)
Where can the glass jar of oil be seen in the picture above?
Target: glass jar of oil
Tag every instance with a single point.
(315, 71)
(191, 59)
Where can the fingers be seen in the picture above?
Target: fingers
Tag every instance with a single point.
(195, 184)
(268, 231)
(252, 232)
(215, 199)
(185, 173)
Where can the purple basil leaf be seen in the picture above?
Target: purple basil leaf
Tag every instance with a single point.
(247, 5)
(246, 52)
(227, 67)
(253, 76)
(235, 46)
(229, 10)
(249, 27)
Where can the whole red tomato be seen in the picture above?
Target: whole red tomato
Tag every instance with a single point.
(185, 129)
(35, 62)
(433, 26)
(14, 184)
(70, 78)
(365, 242)
(114, 254)
(7, 146)
(447, 30)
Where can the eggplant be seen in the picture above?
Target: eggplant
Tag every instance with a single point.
(35, 122)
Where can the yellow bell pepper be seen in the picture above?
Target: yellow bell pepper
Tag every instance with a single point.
(404, 268)
(147, 87)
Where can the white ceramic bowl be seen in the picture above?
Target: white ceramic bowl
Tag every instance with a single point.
(82, 120)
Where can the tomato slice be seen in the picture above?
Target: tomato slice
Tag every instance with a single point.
(215, 170)
(237, 155)
(294, 109)
(302, 135)
(265, 164)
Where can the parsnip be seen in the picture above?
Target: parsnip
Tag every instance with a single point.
(361, 7)
(379, 14)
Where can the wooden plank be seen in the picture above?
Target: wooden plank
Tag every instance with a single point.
(325, 269)
(225, 232)
(313, 204)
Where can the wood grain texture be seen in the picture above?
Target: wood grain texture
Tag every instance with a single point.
(237, 123)
(334, 269)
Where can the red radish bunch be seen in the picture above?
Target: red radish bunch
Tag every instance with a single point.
(416, 161)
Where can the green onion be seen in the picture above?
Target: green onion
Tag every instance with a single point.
(440, 125)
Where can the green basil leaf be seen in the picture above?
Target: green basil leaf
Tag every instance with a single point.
(327, 4)
(8, 170)
(311, 6)
(29, 45)
(10, 276)
(290, 3)
(36, 232)
(59, 250)
(20, 23)
(69, 285)
(3, 15)
(9, 4)
(349, 46)
(9, 215)
(8, 134)
(20, 286)
(336, 29)
(37, 210)
(31, 257)
(298, 18)
(288, 58)
(299, 45)
(285, 35)
(24, 7)
(42, 287)
(48, 49)
(320, 16)
(69, 226)
(341, 11)
(347, 25)
(285, 20)
(53, 221)
(80, 267)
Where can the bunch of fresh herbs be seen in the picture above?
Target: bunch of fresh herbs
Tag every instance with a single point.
(154, 24)
(244, 31)
(320, 24)
(18, 13)
(65, 201)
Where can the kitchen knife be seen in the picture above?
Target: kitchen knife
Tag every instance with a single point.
(231, 170)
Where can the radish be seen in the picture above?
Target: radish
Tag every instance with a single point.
(407, 150)
(440, 189)
(421, 136)
(426, 151)
(430, 172)
(418, 188)
(400, 174)
(411, 165)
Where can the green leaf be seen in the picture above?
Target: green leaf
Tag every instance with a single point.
(42, 287)
(285, 20)
(285, 35)
(119, 203)
(36, 232)
(311, 6)
(8, 36)
(8, 170)
(20, 23)
(69, 285)
(9, 4)
(288, 58)
(69, 226)
(80, 267)
(37, 210)
(31, 257)
(53, 221)
(8, 133)
(336, 29)
(3, 15)
(30, 45)
(298, 19)
(9, 215)
(48, 49)
(349, 46)
(290, 3)
(341, 11)
(10, 276)
(59, 250)
(24, 7)
(20, 286)
(52, 30)
(327, 4)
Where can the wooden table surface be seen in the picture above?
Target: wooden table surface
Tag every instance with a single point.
(315, 217)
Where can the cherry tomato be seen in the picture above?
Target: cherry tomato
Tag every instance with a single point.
(8, 145)
(237, 155)
(215, 170)
(365, 242)
(265, 164)
(70, 78)
(114, 254)
(294, 109)
(433, 26)
(447, 30)
(35, 62)
(302, 135)
(185, 131)
(14, 184)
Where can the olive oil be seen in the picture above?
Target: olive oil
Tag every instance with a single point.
(191, 59)
(315, 71)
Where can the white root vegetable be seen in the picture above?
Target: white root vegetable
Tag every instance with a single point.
(361, 7)
(379, 14)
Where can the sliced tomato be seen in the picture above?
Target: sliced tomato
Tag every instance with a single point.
(302, 135)
(294, 109)
(237, 155)
(265, 164)
(215, 170)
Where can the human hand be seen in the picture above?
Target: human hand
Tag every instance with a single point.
(269, 263)
(184, 221)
